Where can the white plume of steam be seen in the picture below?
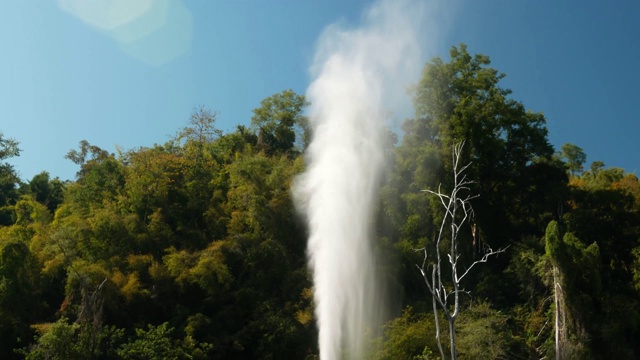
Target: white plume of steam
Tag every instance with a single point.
(359, 75)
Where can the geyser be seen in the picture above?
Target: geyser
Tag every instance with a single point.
(359, 75)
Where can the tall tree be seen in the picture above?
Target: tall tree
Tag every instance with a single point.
(18, 293)
(462, 100)
(576, 284)
(99, 178)
(280, 123)
(47, 191)
(457, 213)
(603, 209)
(8, 178)
(521, 185)
(574, 156)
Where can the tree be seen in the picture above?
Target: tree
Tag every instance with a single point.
(458, 212)
(603, 210)
(200, 132)
(553, 244)
(100, 178)
(596, 166)
(86, 153)
(158, 344)
(576, 283)
(506, 143)
(575, 157)
(8, 147)
(404, 337)
(18, 293)
(47, 191)
(280, 123)
(64, 340)
(57, 342)
(201, 127)
(8, 178)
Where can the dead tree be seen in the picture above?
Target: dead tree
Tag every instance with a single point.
(457, 213)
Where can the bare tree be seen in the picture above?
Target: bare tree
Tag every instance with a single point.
(458, 212)
(560, 315)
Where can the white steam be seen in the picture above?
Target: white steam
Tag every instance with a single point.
(359, 76)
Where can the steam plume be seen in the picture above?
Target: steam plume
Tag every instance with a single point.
(359, 75)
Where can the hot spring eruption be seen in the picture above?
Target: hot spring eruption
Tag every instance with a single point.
(359, 75)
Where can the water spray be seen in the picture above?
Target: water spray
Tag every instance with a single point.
(358, 74)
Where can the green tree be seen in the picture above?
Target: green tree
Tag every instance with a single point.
(160, 343)
(521, 186)
(57, 342)
(462, 100)
(262, 228)
(47, 191)
(574, 156)
(602, 209)
(484, 333)
(201, 127)
(19, 294)
(280, 123)
(576, 288)
(8, 178)
(85, 154)
(64, 340)
(520, 183)
(404, 337)
(100, 176)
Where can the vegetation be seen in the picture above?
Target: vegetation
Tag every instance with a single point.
(192, 249)
(445, 295)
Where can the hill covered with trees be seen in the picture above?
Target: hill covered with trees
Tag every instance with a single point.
(192, 249)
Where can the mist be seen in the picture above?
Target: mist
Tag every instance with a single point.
(360, 76)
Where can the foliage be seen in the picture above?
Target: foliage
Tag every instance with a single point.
(193, 248)
(409, 336)
(280, 122)
(156, 343)
(484, 333)
(574, 156)
(457, 212)
(59, 341)
(8, 178)
(64, 340)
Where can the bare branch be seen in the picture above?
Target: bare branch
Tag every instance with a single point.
(457, 212)
(484, 259)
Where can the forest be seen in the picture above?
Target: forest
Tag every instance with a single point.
(193, 249)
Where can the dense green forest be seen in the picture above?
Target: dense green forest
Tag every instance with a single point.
(192, 249)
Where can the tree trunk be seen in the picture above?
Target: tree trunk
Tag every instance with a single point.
(557, 304)
(452, 337)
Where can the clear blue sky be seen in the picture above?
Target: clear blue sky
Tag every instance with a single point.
(132, 75)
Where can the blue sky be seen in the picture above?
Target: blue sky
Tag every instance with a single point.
(131, 76)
